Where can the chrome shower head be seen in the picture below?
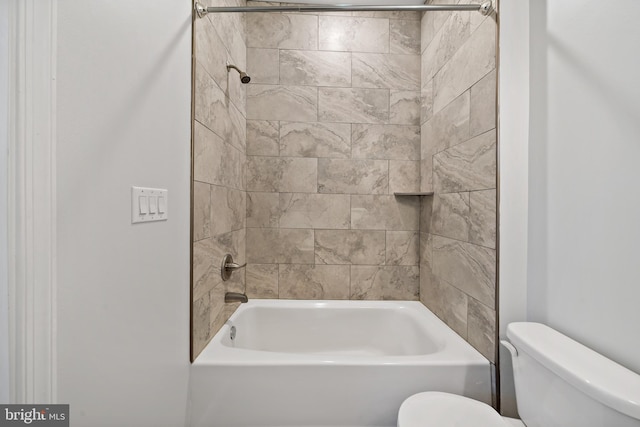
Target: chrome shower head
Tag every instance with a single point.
(244, 78)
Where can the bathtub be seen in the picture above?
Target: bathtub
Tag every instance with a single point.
(329, 363)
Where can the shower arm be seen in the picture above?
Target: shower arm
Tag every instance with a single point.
(485, 8)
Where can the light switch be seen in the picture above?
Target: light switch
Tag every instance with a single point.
(143, 205)
(153, 204)
(148, 204)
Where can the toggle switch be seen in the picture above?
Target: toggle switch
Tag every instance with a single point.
(149, 204)
(143, 205)
(153, 204)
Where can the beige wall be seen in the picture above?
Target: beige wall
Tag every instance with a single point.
(458, 163)
(332, 132)
(219, 159)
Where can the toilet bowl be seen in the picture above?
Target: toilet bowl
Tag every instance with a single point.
(559, 382)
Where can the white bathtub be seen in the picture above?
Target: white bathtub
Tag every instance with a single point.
(329, 363)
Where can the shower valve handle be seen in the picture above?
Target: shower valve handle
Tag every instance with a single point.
(228, 267)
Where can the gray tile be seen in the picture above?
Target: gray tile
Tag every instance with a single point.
(455, 31)
(403, 248)
(353, 105)
(278, 245)
(481, 329)
(262, 281)
(263, 209)
(314, 281)
(263, 138)
(426, 101)
(206, 269)
(315, 139)
(450, 216)
(483, 218)
(315, 68)
(210, 52)
(201, 325)
(349, 247)
(263, 65)
(216, 162)
(448, 127)
(263, 173)
(284, 31)
(228, 209)
(273, 102)
(404, 107)
(346, 176)
(468, 267)
(483, 105)
(286, 174)
(374, 70)
(201, 211)
(393, 14)
(475, 58)
(426, 174)
(467, 166)
(231, 27)
(426, 213)
(384, 213)
(385, 282)
(404, 36)
(404, 176)
(353, 34)
(300, 210)
(386, 142)
(432, 22)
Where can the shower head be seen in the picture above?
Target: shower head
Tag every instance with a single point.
(244, 78)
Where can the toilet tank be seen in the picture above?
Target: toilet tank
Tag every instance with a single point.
(560, 382)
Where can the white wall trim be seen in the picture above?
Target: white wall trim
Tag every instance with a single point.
(32, 200)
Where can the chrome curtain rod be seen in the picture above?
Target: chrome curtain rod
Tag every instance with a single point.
(485, 8)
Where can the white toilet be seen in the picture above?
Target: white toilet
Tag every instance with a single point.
(559, 383)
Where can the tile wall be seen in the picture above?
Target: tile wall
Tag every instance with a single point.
(333, 129)
(219, 168)
(458, 163)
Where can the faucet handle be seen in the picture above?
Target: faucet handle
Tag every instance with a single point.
(234, 266)
(228, 266)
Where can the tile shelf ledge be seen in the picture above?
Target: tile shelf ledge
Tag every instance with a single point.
(417, 193)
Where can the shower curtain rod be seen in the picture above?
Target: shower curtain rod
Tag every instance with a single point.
(485, 8)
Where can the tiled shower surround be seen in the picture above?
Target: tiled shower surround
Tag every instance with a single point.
(302, 163)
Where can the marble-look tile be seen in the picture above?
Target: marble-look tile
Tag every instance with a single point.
(303, 210)
(483, 218)
(450, 217)
(263, 65)
(475, 58)
(201, 211)
(279, 245)
(286, 174)
(385, 142)
(375, 70)
(282, 30)
(448, 127)
(206, 269)
(470, 268)
(295, 103)
(349, 247)
(404, 107)
(403, 248)
(214, 110)
(200, 323)
(467, 166)
(404, 36)
(447, 302)
(393, 14)
(314, 281)
(210, 52)
(315, 139)
(262, 281)
(315, 68)
(483, 105)
(385, 213)
(231, 27)
(455, 31)
(385, 282)
(216, 162)
(228, 209)
(426, 174)
(263, 138)
(432, 22)
(481, 327)
(353, 34)
(353, 105)
(263, 209)
(426, 101)
(426, 213)
(404, 176)
(347, 176)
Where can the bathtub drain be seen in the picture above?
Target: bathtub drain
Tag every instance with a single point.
(232, 333)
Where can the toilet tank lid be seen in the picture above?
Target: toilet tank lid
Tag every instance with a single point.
(598, 377)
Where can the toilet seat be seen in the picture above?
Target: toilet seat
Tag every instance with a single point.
(436, 409)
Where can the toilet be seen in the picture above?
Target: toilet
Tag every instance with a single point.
(559, 383)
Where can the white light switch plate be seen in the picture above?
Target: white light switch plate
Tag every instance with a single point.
(153, 200)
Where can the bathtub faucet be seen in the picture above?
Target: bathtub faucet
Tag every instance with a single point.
(235, 297)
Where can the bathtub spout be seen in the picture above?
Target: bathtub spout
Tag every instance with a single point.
(235, 297)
